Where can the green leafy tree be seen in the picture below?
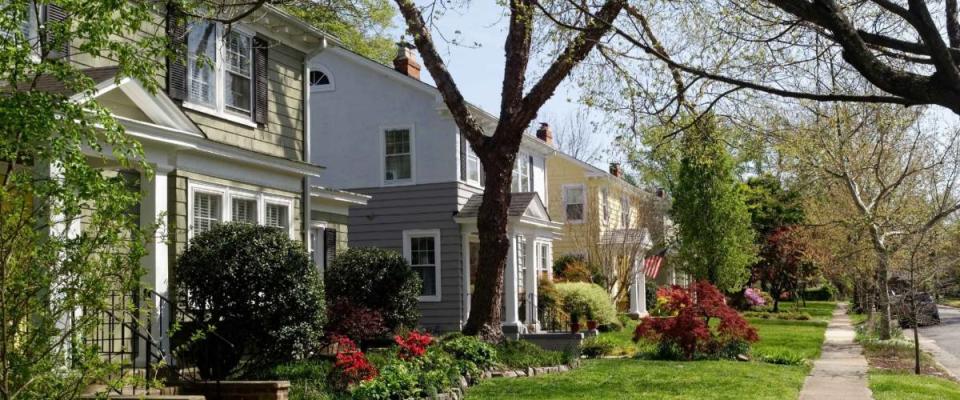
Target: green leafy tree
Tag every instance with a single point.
(716, 240)
(361, 25)
(771, 205)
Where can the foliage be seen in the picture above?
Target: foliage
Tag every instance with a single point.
(689, 331)
(771, 205)
(377, 279)
(521, 354)
(549, 302)
(597, 346)
(308, 378)
(782, 357)
(264, 296)
(564, 261)
(588, 301)
(413, 345)
(350, 366)
(60, 163)
(826, 292)
(362, 26)
(784, 262)
(359, 323)
(782, 315)
(471, 349)
(396, 381)
(754, 297)
(426, 375)
(716, 239)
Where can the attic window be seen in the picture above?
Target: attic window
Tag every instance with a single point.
(320, 80)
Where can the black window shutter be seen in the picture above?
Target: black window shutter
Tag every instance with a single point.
(329, 247)
(530, 175)
(463, 158)
(260, 80)
(177, 42)
(56, 14)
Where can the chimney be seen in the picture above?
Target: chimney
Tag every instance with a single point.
(545, 133)
(615, 169)
(406, 61)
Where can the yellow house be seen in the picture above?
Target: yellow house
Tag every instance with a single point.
(609, 221)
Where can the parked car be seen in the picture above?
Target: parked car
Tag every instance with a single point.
(927, 312)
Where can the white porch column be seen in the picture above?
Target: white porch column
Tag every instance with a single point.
(510, 301)
(465, 249)
(530, 281)
(153, 213)
(638, 292)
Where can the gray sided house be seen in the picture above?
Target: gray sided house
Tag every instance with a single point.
(384, 133)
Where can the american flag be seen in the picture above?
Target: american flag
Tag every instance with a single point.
(651, 264)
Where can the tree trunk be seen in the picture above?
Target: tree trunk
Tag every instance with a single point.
(883, 296)
(485, 319)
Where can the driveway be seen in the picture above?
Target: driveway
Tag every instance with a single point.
(943, 340)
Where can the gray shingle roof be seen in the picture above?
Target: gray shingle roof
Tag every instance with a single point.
(518, 204)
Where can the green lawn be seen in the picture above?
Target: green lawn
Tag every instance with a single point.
(951, 302)
(630, 378)
(897, 386)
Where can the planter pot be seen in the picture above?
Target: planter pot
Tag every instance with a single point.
(592, 325)
(574, 327)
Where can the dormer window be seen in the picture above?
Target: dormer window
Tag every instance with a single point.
(320, 80)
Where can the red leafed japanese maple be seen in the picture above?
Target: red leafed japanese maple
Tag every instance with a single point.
(350, 366)
(413, 345)
(685, 322)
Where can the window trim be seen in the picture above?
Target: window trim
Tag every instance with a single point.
(383, 156)
(522, 161)
(219, 108)
(332, 86)
(420, 233)
(227, 194)
(563, 194)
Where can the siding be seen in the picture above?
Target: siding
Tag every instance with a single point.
(394, 209)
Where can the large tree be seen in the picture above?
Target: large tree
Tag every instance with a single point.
(519, 104)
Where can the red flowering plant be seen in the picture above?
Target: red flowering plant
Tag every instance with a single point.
(350, 366)
(360, 324)
(413, 345)
(684, 324)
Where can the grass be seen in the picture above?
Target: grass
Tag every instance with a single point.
(887, 385)
(628, 379)
(632, 378)
(951, 302)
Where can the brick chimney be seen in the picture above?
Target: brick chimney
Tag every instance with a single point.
(406, 61)
(615, 169)
(545, 133)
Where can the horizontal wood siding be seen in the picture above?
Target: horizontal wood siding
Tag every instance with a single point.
(394, 209)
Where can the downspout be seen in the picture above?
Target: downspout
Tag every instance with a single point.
(307, 135)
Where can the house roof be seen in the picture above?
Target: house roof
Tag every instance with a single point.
(51, 84)
(519, 202)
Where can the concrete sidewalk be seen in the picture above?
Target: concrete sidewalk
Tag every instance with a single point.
(841, 371)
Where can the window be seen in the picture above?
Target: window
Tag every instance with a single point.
(422, 250)
(397, 156)
(624, 211)
(220, 69)
(320, 80)
(244, 210)
(521, 262)
(277, 215)
(22, 12)
(210, 205)
(521, 174)
(545, 264)
(573, 200)
(605, 198)
(473, 166)
(206, 211)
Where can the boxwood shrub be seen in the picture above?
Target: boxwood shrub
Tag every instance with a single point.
(591, 296)
(379, 280)
(256, 288)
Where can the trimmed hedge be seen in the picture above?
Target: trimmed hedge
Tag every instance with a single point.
(377, 279)
(577, 295)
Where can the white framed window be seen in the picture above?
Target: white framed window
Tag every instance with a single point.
(473, 166)
(397, 155)
(321, 80)
(543, 252)
(625, 211)
(316, 245)
(574, 202)
(521, 257)
(25, 14)
(220, 71)
(243, 208)
(421, 248)
(209, 205)
(521, 173)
